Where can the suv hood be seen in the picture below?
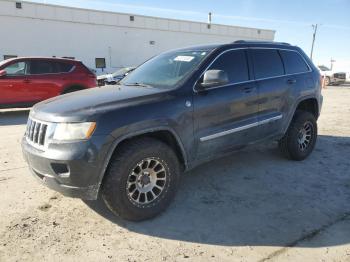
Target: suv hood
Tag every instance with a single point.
(85, 105)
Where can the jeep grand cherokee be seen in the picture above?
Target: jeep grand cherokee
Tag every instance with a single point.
(131, 141)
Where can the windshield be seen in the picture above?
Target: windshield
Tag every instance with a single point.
(122, 71)
(166, 70)
(324, 68)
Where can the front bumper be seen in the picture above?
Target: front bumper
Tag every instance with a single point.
(338, 81)
(73, 169)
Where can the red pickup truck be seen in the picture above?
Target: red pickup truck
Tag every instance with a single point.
(27, 80)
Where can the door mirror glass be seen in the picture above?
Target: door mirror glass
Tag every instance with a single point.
(3, 73)
(213, 78)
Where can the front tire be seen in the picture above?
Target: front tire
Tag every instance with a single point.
(300, 139)
(141, 180)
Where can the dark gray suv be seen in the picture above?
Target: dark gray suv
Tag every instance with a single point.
(131, 141)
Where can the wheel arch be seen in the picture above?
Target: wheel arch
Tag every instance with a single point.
(164, 134)
(309, 103)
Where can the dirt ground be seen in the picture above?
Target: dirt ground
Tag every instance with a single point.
(252, 206)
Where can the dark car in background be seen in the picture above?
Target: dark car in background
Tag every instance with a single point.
(112, 79)
(27, 80)
(132, 141)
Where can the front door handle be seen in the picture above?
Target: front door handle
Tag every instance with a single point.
(291, 81)
(26, 81)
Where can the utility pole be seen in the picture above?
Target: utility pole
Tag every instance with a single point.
(332, 61)
(313, 39)
(209, 20)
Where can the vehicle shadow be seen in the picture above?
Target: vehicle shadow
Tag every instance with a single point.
(257, 198)
(13, 117)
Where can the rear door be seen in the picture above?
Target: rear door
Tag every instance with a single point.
(225, 116)
(297, 71)
(12, 85)
(43, 79)
(273, 90)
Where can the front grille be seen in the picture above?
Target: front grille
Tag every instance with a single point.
(340, 75)
(36, 132)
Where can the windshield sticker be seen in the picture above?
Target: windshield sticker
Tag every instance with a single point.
(184, 58)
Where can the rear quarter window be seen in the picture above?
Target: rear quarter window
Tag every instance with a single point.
(293, 62)
(267, 63)
(61, 67)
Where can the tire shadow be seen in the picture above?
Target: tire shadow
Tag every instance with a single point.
(255, 197)
(13, 117)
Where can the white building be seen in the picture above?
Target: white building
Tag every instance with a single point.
(98, 37)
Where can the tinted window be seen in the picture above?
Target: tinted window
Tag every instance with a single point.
(18, 68)
(234, 63)
(267, 63)
(293, 62)
(41, 67)
(60, 67)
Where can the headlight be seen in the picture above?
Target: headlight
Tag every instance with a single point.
(74, 131)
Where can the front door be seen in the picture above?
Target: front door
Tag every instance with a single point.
(225, 117)
(13, 86)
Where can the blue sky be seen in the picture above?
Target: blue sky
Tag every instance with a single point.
(292, 19)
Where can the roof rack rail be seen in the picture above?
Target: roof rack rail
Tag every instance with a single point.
(258, 42)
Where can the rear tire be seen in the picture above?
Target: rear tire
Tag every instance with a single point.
(300, 139)
(141, 180)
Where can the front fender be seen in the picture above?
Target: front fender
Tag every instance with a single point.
(120, 135)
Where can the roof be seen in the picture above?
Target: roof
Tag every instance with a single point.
(42, 57)
(259, 42)
(239, 43)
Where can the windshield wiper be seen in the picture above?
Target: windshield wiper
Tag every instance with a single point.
(137, 84)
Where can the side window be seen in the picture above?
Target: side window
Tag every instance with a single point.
(16, 69)
(267, 63)
(38, 67)
(234, 63)
(60, 67)
(293, 62)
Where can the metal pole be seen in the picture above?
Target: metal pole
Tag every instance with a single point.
(313, 39)
(332, 61)
(209, 20)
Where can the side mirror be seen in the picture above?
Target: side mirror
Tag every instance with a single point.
(3, 73)
(213, 78)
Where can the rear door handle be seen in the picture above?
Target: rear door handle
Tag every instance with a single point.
(291, 81)
(26, 81)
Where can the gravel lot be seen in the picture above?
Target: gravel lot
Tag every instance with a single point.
(252, 206)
